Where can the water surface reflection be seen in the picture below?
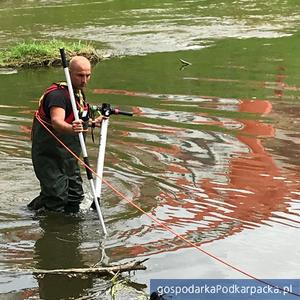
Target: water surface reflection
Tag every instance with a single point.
(59, 248)
(209, 185)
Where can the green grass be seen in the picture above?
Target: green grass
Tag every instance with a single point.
(44, 53)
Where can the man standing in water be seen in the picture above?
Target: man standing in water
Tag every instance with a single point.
(57, 169)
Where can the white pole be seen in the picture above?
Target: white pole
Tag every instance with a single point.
(101, 155)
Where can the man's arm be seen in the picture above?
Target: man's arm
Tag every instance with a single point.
(57, 115)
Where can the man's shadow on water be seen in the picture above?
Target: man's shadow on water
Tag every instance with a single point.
(58, 248)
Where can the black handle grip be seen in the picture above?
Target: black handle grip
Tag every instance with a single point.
(106, 110)
(63, 57)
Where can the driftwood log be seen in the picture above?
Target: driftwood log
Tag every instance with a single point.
(108, 270)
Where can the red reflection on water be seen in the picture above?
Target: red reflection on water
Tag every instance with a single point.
(25, 129)
(122, 92)
(256, 175)
(255, 190)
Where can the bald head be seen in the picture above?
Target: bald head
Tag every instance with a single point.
(80, 71)
(79, 62)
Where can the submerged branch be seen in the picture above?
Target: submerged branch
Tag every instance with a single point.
(131, 266)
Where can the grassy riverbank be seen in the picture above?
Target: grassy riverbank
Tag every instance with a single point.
(44, 53)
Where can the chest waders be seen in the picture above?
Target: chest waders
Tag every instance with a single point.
(56, 169)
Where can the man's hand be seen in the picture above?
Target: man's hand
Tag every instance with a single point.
(77, 126)
(97, 122)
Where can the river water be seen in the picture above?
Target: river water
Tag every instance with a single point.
(212, 150)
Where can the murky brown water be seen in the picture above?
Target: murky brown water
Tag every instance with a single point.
(212, 150)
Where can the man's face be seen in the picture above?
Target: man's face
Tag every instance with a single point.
(80, 75)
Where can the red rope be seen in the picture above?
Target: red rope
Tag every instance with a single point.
(157, 221)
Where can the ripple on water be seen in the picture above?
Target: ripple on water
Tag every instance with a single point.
(8, 71)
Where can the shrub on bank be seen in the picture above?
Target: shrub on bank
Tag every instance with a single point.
(44, 53)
